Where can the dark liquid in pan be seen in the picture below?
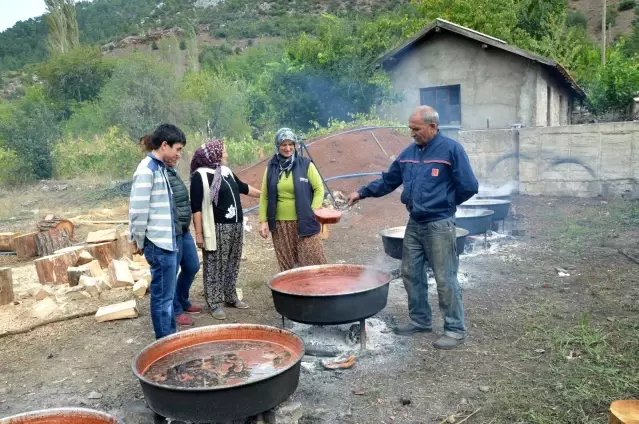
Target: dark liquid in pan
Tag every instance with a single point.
(220, 364)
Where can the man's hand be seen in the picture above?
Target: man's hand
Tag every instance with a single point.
(137, 250)
(199, 240)
(353, 198)
(264, 230)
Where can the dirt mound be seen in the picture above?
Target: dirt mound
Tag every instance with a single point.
(340, 155)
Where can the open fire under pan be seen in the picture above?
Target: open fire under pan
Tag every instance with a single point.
(330, 294)
(220, 372)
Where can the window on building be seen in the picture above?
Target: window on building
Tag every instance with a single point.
(446, 100)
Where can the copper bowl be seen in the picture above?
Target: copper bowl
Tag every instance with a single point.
(224, 402)
(62, 416)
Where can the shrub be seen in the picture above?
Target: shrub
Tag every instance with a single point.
(14, 170)
(111, 155)
(182, 45)
(626, 5)
(154, 46)
(577, 18)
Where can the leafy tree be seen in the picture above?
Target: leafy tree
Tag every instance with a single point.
(141, 94)
(61, 20)
(29, 128)
(577, 18)
(75, 77)
(614, 85)
(218, 99)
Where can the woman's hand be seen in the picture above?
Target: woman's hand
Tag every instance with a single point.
(264, 230)
(199, 240)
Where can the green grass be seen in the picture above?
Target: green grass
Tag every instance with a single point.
(574, 235)
(605, 367)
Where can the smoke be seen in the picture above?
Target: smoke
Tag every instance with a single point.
(487, 190)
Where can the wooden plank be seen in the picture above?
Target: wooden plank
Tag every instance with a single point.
(122, 310)
(103, 235)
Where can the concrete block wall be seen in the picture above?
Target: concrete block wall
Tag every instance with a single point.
(491, 154)
(579, 160)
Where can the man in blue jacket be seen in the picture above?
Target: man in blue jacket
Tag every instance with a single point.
(437, 176)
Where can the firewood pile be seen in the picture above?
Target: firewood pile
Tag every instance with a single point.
(70, 270)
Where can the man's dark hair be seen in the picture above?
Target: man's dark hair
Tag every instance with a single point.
(169, 133)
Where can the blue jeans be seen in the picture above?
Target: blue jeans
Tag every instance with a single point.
(163, 272)
(189, 264)
(434, 244)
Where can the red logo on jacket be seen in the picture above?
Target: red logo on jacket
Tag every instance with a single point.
(435, 172)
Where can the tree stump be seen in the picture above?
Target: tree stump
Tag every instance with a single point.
(53, 269)
(6, 286)
(56, 223)
(103, 252)
(48, 242)
(6, 241)
(25, 245)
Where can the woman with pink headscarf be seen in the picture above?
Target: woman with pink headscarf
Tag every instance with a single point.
(219, 224)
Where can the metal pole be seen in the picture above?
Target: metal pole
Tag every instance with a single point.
(304, 148)
(362, 334)
(604, 26)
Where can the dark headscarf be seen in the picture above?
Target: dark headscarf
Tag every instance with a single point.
(286, 164)
(209, 155)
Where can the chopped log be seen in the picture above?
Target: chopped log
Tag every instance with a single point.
(44, 308)
(6, 286)
(84, 258)
(25, 245)
(140, 288)
(118, 311)
(75, 249)
(119, 275)
(103, 235)
(103, 252)
(74, 273)
(53, 269)
(124, 247)
(48, 242)
(6, 241)
(91, 285)
(43, 292)
(56, 223)
(95, 270)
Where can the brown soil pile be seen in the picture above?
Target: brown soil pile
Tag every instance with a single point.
(339, 155)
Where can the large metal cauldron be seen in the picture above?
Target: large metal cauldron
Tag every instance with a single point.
(475, 221)
(329, 294)
(266, 386)
(500, 207)
(62, 416)
(393, 240)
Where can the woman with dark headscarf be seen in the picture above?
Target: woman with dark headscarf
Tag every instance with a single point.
(219, 224)
(291, 190)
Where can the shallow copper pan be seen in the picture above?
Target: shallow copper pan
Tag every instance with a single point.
(62, 416)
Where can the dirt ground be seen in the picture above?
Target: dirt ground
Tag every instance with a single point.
(541, 348)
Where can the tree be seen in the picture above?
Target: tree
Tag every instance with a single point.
(63, 33)
(75, 77)
(29, 128)
(141, 93)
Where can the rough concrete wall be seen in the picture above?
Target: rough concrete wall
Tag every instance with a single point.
(559, 101)
(491, 154)
(579, 160)
(495, 85)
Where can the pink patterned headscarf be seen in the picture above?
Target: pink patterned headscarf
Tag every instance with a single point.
(209, 155)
